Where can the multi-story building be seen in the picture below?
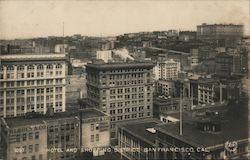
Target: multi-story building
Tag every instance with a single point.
(205, 138)
(229, 64)
(95, 131)
(136, 140)
(167, 70)
(222, 34)
(122, 90)
(31, 83)
(208, 91)
(104, 55)
(54, 136)
(22, 138)
(165, 87)
(187, 36)
(165, 106)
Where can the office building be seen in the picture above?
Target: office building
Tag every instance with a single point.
(122, 90)
(31, 83)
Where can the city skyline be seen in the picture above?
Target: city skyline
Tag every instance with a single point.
(26, 19)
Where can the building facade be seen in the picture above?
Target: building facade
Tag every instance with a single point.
(167, 70)
(104, 55)
(95, 131)
(122, 90)
(54, 136)
(164, 87)
(31, 83)
(136, 140)
(222, 34)
(22, 140)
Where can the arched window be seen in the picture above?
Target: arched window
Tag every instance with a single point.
(58, 66)
(40, 67)
(10, 68)
(30, 67)
(20, 68)
(49, 66)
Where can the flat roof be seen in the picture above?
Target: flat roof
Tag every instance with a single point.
(36, 118)
(32, 57)
(116, 66)
(91, 113)
(138, 129)
(234, 126)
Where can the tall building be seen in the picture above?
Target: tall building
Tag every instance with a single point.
(167, 70)
(222, 34)
(122, 90)
(55, 136)
(31, 83)
(229, 64)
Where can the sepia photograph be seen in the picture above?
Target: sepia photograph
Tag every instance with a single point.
(124, 79)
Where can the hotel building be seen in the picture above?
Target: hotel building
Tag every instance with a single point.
(167, 70)
(122, 90)
(31, 83)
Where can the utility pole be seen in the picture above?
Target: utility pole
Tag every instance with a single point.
(181, 97)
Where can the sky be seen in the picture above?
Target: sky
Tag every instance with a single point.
(27, 19)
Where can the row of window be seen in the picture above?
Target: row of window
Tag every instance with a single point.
(128, 110)
(129, 116)
(31, 67)
(27, 136)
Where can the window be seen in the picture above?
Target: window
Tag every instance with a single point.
(18, 137)
(24, 137)
(49, 66)
(40, 67)
(92, 127)
(30, 136)
(30, 67)
(92, 138)
(97, 137)
(20, 68)
(10, 68)
(33, 157)
(36, 147)
(58, 66)
(37, 135)
(30, 148)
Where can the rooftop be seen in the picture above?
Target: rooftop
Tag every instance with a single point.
(122, 65)
(91, 113)
(234, 126)
(139, 129)
(36, 118)
(32, 57)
